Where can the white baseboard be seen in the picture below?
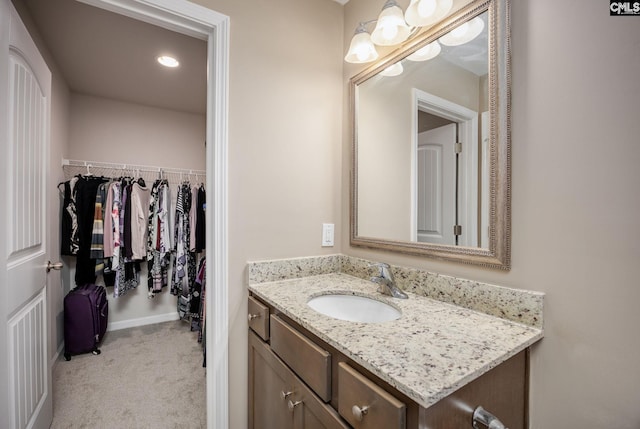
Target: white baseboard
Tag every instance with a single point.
(132, 323)
(56, 355)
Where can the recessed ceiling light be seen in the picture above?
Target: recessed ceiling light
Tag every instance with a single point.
(168, 61)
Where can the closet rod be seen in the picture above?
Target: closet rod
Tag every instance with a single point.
(137, 168)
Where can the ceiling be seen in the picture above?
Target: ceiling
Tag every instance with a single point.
(109, 55)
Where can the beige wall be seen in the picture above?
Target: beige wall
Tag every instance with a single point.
(285, 131)
(576, 234)
(115, 131)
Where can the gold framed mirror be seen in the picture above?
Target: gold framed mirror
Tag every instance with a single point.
(431, 172)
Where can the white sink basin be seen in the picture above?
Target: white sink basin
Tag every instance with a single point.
(354, 308)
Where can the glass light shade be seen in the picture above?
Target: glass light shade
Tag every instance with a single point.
(361, 49)
(426, 53)
(390, 28)
(393, 70)
(421, 13)
(464, 33)
(168, 61)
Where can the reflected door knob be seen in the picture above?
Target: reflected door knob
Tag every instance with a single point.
(57, 266)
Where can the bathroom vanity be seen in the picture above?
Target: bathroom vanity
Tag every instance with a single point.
(430, 368)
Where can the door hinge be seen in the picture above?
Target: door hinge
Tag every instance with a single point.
(459, 147)
(457, 229)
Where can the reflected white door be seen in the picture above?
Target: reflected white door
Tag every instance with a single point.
(436, 185)
(485, 178)
(25, 97)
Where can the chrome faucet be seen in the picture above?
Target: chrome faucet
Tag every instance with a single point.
(386, 283)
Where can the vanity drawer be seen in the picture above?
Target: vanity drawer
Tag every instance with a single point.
(379, 409)
(258, 318)
(310, 362)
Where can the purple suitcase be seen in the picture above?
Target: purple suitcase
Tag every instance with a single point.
(86, 312)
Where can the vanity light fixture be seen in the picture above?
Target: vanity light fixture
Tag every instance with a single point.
(391, 28)
(464, 33)
(168, 61)
(421, 13)
(361, 49)
(393, 70)
(426, 52)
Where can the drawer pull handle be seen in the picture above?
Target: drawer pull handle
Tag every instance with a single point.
(359, 412)
(292, 405)
(480, 415)
(284, 395)
(253, 316)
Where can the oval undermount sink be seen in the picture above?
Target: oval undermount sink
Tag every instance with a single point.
(354, 308)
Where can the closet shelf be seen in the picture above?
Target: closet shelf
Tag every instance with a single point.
(72, 167)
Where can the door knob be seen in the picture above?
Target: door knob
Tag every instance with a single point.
(57, 266)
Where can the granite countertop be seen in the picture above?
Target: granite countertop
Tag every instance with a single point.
(433, 349)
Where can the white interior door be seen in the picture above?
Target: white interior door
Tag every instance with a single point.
(436, 185)
(25, 112)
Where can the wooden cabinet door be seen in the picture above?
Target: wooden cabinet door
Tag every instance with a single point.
(501, 391)
(280, 400)
(269, 385)
(311, 412)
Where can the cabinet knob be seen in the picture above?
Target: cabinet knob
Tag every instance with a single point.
(488, 420)
(292, 405)
(252, 316)
(284, 395)
(359, 412)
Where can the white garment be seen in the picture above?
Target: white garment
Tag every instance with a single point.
(139, 221)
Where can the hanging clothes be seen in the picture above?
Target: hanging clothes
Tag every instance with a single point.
(201, 325)
(127, 270)
(108, 239)
(97, 232)
(140, 196)
(158, 243)
(69, 220)
(184, 271)
(192, 218)
(86, 191)
(112, 225)
(201, 236)
(196, 297)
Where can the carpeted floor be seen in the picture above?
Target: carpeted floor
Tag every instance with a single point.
(145, 377)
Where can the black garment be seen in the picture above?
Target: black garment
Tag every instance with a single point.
(86, 190)
(66, 222)
(128, 250)
(201, 237)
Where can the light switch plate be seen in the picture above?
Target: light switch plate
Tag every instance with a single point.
(327, 234)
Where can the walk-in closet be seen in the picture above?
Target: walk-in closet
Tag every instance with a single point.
(128, 143)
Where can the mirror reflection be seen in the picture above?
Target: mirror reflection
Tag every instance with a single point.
(422, 127)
